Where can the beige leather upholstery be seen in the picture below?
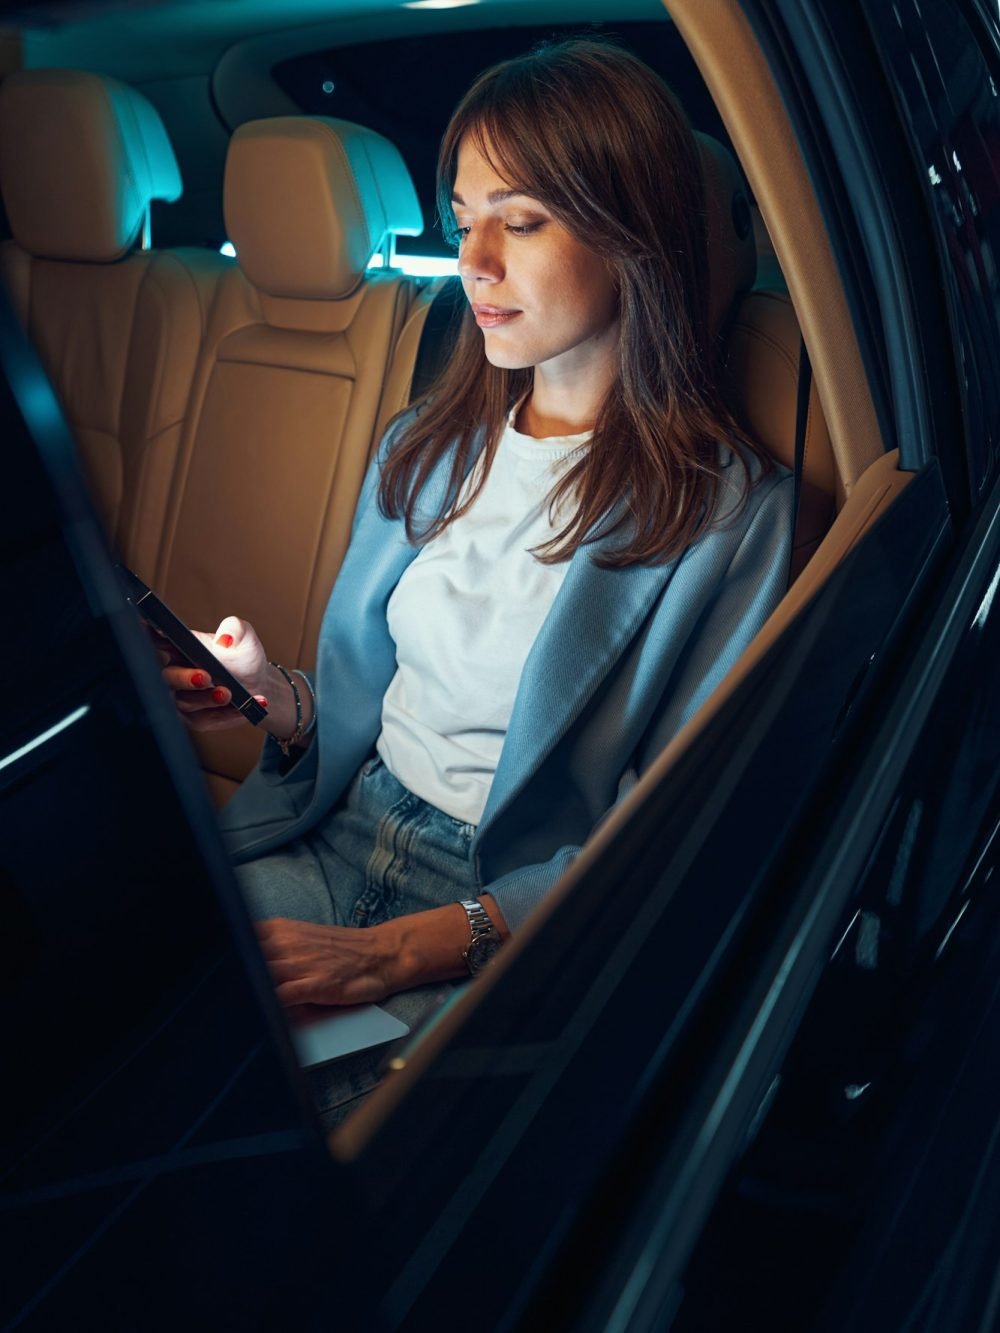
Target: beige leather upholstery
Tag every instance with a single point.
(764, 347)
(308, 201)
(80, 158)
(286, 398)
(737, 75)
(762, 350)
(225, 413)
(732, 249)
(399, 376)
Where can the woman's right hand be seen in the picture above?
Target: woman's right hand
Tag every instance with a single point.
(203, 704)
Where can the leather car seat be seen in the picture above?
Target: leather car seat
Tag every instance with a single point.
(760, 348)
(117, 327)
(282, 418)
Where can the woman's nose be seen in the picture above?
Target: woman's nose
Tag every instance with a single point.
(480, 259)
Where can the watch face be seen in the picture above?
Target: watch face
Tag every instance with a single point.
(480, 952)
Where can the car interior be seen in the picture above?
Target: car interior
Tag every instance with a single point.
(734, 1070)
(218, 231)
(214, 243)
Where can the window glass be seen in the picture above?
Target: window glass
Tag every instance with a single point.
(952, 105)
(407, 88)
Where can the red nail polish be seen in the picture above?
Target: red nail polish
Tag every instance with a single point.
(198, 679)
(225, 641)
(262, 701)
(219, 695)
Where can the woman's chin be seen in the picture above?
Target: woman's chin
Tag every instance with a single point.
(506, 358)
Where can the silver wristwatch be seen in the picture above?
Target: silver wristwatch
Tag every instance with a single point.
(485, 940)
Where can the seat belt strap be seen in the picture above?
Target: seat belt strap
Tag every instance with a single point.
(801, 423)
(437, 336)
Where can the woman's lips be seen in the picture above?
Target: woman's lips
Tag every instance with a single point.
(491, 316)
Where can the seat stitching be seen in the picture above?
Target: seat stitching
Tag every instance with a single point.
(279, 365)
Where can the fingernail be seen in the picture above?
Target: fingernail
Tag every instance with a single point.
(219, 695)
(225, 641)
(198, 679)
(262, 701)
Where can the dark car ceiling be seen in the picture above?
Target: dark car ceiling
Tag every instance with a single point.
(140, 42)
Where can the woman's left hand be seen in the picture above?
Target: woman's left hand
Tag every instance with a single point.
(313, 964)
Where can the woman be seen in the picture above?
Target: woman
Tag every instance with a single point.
(555, 558)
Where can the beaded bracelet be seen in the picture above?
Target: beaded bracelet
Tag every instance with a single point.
(285, 746)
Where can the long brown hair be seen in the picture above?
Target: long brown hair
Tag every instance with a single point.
(598, 138)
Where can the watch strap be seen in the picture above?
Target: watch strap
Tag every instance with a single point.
(484, 938)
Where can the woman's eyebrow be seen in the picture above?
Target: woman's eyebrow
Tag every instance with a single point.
(494, 196)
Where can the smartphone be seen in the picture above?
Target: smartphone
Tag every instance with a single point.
(191, 648)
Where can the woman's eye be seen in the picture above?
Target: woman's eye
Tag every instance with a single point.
(524, 228)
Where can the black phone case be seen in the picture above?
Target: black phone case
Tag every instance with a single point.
(193, 650)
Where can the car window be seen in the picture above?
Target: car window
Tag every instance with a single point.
(953, 105)
(376, 83)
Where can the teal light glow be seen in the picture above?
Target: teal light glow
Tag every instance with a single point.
(419, 266)
(415, 266)
(45, 736)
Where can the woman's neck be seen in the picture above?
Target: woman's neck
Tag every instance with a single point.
(561, 406)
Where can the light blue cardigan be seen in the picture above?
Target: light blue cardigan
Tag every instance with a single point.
(622, 660)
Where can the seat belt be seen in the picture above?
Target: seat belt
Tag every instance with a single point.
(801, 422)
(437, 336)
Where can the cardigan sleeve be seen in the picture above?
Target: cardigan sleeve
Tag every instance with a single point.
(753, 585)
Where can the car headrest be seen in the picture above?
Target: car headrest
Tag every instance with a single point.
(308, 200)
(732, 252)
(81, 156)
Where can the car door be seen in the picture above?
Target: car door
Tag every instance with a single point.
(743, 1031)
(865, 1194)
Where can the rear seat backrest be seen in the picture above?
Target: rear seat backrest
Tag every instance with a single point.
(287, 393)
(765, 347)
(118, 329)
(761, 350)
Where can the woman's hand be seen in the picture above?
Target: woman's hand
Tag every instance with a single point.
(200, 701)
(204, 705)
(313, 964)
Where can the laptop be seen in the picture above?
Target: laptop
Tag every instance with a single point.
(321, 1035)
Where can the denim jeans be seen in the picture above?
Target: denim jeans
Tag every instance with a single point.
(381, 853)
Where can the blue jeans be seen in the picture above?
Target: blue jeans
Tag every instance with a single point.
(381, 853)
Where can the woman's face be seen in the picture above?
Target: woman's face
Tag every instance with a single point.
(539, 295)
